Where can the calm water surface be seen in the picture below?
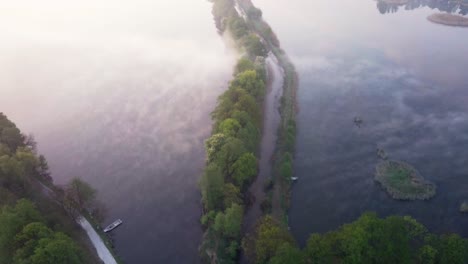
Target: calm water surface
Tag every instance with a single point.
(405, 77)
(119, 93)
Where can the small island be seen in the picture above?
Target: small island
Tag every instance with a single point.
(449, 19)
(464, 207)
(403, 182)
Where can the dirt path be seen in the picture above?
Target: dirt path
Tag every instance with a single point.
(271, 121)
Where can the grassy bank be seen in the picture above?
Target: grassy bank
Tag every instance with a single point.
(284, 155)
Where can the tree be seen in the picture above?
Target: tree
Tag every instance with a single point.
(453, 249)
(232, 195)
(11, 137)
(213, 145)
(244, 169)
(254, 46)
(12, 221)
(288, 254)
(28, 239)
(243, 64)
(229, 223)
(229, 127)
(250, 81)
(319, 249)
(268, 238)
(81, 193)
(212, 186)
(59, 249)
(229, 153)
(43, 169)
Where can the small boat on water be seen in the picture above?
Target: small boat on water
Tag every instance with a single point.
(112, 226)
(294, 178)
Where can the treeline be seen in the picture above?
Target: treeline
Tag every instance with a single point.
(369, 239)
(228, 20)
(232, 149)
(34, 227)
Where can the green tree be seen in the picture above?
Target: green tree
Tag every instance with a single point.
(229, 223)
(212, 186)
(229, 153)
(243, 64)
(453, 249)
(12, 221)
(232, 195)
(254, 46)
(427, 255)
(244, 169)
(213, 145)
(288, 254)
(250, 81)
(28, 239)
(266, 241)
(229, 127)
(319, 249)
(81, 192)
(59, 249)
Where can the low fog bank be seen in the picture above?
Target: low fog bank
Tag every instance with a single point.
(119, 93)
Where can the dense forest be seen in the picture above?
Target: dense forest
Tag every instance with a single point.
(37, 218)
(232, 149)
(369, 239)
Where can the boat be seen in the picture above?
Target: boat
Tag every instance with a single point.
(112, 226)
(294, 178)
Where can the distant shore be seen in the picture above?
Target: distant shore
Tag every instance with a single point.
(448, 20)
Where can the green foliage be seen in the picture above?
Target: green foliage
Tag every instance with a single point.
(254, 46)
(208, 219)
(319, 249)
(286, 170)
(229, 223)
(229, 153)
(12, 221)
(212, 187)
(229, 127)
(288, 254)
(238, 27)
(244, 169)
(250, 81)
(10, 135)
(453, 249)
(267, 240)
(213, 145)
(232, 195)
(81, 193)
(244, 64)
(58, 249)
(427, 255)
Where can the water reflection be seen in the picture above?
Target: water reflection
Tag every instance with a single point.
(453, 7)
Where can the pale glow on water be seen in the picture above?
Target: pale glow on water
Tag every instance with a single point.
(119, 93)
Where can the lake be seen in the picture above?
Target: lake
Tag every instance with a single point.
(119, 94)
(405, 77)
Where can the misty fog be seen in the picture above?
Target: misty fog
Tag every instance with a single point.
(119, 93)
